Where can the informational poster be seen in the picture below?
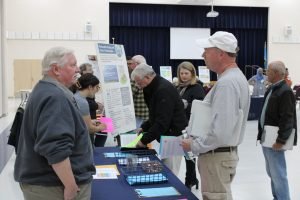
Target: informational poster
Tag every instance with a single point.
(166, 72)
(204, 74)
(116, 88)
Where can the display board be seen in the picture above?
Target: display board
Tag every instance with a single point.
(166, 72)
(204, 74)
(116, 87)
(183, 42)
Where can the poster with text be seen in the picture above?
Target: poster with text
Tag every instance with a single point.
(204, 74)
(116, 87)
(166, 72)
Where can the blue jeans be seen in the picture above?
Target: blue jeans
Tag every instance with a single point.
(276, 169)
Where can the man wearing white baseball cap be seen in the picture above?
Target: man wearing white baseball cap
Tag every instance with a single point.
(230, 102)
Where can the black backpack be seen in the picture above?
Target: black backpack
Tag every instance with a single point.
(13, 138)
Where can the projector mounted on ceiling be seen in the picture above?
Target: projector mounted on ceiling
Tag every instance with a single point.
(212, 13)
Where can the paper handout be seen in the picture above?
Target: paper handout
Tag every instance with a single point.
(109, 124)
(170, 146)
(200, 120)
(134, 142)
(271, 134)
(106, 172)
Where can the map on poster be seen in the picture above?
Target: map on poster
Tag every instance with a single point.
(116, 87)
(166, 72)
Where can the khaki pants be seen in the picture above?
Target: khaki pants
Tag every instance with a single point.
(217, 171)
(37, 192)
(173, 163)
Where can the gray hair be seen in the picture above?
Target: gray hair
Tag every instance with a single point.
(139, 59)
(55, 55)
(141, 71)
(278, 66)
(83, 67)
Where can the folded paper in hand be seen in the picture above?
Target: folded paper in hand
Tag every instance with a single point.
(201, 120)
(170, 146)
(270, 135)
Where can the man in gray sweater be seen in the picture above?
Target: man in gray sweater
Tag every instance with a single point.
(54, 157)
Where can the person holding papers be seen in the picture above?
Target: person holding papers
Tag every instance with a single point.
(88, 86)
(189, 89)
(98, 139)
(279, 111)
(217, 147)
(166, 112)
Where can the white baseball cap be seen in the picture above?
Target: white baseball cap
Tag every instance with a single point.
(223, 40)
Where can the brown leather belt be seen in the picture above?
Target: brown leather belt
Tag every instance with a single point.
(222, 149)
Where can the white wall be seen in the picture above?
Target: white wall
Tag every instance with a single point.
(52, 16)
(282, 13)
(3, 88)
(70, 16)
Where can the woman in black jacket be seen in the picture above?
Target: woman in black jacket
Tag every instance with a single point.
(189, 89)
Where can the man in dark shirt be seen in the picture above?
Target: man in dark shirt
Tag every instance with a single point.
(54, 158)
(166, 110)
(279, 112)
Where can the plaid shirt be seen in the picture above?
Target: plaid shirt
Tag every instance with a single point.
(140, 107)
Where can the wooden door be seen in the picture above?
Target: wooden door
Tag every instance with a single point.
(27, 72)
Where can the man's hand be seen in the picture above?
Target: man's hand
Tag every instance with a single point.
(138, 131)
(186, 144)
(65, 174)
(277, 146)
(102, 126)
(140, 145)
(71, 192)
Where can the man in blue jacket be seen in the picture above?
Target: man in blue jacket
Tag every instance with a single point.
(54, 157)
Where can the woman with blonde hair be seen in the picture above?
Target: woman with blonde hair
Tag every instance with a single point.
(189, 89)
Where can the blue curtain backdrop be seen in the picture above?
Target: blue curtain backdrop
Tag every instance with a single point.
(145, 29)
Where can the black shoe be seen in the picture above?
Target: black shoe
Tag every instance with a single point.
(191, 184)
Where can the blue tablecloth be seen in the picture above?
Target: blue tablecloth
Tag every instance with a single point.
(119, 189)
(256, 105)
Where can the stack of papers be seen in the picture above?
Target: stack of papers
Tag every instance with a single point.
(106, 172)
(157, 192)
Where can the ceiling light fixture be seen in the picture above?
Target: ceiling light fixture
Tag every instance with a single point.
(212, 13)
